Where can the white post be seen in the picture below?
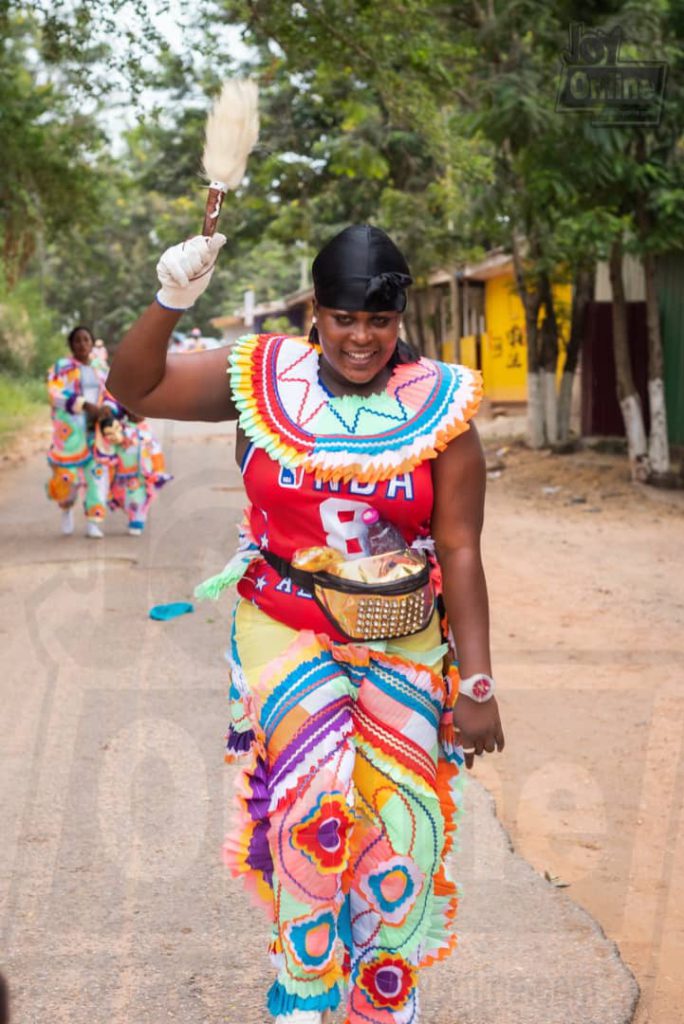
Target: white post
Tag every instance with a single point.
(248, 309)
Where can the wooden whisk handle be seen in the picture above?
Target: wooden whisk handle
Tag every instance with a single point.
(215, 197)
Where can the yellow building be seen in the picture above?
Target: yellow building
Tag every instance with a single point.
(494, 338)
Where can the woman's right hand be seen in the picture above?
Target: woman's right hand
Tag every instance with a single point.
(185, 270)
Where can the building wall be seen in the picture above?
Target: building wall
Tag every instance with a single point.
(601, 416)
(232, 333)
(632, 279)
(503, 347)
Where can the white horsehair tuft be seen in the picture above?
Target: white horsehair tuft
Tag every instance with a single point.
(231, 133)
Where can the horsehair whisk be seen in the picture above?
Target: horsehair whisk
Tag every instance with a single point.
(231, 133)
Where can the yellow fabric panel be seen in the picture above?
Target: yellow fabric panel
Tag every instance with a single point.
(262, 638)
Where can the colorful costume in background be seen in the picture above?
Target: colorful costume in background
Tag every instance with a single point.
(135, 463)
(71, 454)
(346, 807)
(99, 357)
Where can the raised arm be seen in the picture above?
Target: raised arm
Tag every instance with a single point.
(183, 387)
(459, 480)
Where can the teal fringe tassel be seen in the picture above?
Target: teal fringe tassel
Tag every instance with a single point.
(212, 588)
(280, 1001)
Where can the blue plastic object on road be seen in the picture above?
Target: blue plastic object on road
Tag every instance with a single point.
(164, 612)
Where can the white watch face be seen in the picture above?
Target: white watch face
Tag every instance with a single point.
(479, 688)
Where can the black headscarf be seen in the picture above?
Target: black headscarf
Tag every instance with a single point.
(361, 269)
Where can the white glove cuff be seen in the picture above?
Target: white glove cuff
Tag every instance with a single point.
(167, 301)
(479, 687)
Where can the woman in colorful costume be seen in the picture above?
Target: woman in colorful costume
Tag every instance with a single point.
(76, 394)
(99, 357)
(353, 748)
(135, 461)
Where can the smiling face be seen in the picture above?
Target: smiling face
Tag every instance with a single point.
(356, 348)
(81, 345)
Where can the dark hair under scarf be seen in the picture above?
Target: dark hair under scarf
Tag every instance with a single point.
(361, 269)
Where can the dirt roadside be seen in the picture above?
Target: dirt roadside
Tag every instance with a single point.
(33, 438)
(588, 614)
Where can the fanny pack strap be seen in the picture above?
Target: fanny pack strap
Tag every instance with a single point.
(299, 577)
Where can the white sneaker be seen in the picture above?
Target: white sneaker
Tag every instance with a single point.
(135, 531)
(93, 531)
(67, 521)
(300, 1017)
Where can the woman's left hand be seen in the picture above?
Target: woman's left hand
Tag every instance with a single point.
(480, 727)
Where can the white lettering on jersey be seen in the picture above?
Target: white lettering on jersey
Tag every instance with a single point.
(355, 487)
(403, 483)
(327, 485)
(285, 585)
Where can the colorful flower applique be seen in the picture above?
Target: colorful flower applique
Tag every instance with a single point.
(324, 835)
(388, 981)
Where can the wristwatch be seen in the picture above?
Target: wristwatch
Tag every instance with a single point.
(479, 687)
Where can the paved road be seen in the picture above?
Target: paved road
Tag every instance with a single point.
(116, 908)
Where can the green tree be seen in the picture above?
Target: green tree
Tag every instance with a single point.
(630, 184)
(48, 181)
(358, 125)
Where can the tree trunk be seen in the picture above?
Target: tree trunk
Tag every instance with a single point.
(18, 248)
(582, 294)
(443, 307)
(428, 318)
(630, 403)
(426, 309)
(531, 300)
(550, 393)
(535, 384)
(455, 316)
(658, 446)
(549, 362)
(565, 405)
(413, 322)
(536, 436)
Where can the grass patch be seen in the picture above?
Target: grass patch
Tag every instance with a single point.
(22, 399)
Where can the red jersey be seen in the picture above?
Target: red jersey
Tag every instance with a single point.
(292, 509)
(317, 460)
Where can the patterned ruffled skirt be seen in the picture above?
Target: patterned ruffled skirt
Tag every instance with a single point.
(345, 811)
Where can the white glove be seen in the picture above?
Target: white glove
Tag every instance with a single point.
(185, 270)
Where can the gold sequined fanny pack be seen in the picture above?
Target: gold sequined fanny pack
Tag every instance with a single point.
(357, 601)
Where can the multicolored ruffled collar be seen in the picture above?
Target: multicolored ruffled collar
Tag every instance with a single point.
(285, 410)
